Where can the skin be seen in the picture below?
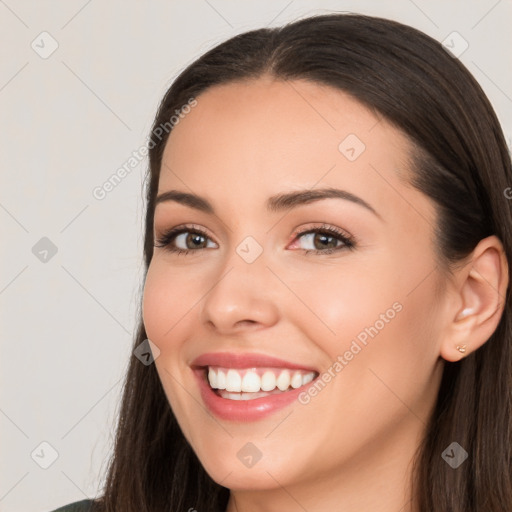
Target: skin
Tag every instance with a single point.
(350, 448)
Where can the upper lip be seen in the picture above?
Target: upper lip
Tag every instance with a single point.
(247, 360)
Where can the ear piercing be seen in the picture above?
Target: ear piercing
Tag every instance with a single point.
(465, 312)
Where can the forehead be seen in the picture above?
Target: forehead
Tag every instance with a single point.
(296, 111)
(255, 138)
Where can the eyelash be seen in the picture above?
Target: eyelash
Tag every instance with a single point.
(169, 236)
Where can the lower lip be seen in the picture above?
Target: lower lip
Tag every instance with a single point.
(243, 410)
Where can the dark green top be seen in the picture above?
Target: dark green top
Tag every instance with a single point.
(77, 506)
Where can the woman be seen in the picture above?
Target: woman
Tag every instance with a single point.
(327, 244)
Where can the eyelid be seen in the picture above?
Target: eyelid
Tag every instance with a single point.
(183, 227)
(322, 226)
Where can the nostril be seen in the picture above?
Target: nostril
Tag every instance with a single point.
(245, 322)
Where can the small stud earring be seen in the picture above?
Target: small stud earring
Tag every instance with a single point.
(461, 348)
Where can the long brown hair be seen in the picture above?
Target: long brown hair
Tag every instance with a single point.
(460, 161)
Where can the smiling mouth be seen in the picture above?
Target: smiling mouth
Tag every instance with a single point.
(253, 383)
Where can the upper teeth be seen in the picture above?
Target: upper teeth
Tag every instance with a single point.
(257, 379)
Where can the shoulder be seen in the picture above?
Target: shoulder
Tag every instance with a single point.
(77, 506)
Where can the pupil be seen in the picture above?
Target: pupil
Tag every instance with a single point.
(324, 238)
(195, 238)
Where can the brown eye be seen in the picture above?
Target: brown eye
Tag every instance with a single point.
(183, 240)
(195, 240)
(325, 240)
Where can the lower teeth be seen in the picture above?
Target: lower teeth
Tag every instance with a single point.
(245, 395)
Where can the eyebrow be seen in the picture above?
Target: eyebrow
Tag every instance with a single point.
(276, 203)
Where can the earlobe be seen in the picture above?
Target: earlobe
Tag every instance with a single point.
(463, 314)
(481, 287)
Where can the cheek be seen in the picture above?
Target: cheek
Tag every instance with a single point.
(337, 304)
(169, 295)
(382, 326)
(379, 366)
(166, 302)
(154, 304)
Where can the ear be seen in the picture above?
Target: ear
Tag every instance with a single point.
(480, 289)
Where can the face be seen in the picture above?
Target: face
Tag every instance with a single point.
(342, 289)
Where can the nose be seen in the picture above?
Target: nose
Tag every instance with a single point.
(242, 296)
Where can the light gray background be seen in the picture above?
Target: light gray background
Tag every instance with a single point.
(68, 122)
